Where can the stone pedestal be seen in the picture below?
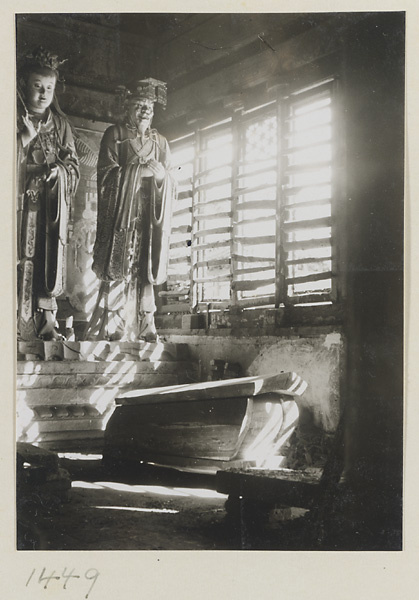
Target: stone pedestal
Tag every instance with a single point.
(66, 393)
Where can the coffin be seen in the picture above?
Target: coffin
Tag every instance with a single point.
(206, 426)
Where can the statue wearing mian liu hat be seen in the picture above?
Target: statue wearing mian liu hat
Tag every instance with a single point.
(135, 193)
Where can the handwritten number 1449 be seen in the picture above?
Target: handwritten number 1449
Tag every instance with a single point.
(89, 575)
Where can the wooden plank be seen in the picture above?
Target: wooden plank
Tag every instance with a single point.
(223, 244)
(207, 172)
(308, 223)
(267, 219)
(213, 263)
(257, 205)
(184, 244)
(287, 384)
(308, 261)
(256, 241)
(251, 259)
(178, 278)
(199, 205)
(210, 279)
(309, 278)
(281, 486)
(205, 232)
(182, 229)
(220, 215)
(183, 196)
(208, 429)
(183, 212)
(308, 168)
(252, 285)
(265, 300)
(309, 203)
(310, 298)
(308, 244)
(204, 186)
(252, 171)
(180, 260)
(238, 272)
(174, 293)
(242, 191)
(292, 190)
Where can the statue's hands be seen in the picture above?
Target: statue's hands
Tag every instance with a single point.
(30, 130)
(52, 173)
(157, 170)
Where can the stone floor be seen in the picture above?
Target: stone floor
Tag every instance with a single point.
(156, 509)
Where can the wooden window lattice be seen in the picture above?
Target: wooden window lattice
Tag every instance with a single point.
(253, 222)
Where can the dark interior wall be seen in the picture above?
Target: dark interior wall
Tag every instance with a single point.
(98, 59)
(373, 388)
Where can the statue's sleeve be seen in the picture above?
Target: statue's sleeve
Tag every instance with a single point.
(108, 181)
(163, 196)
(68, 155)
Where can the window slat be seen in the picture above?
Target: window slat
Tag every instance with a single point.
(182, 229)
(205, 232)
(199, 247)
(180, 260)
(257, 204)
(311, 277)
(241, 258)
(243, 286)
(212, 279)
(221, 215)
(213, 263)
(255, 220)
(307, 244)
(308, 224)
(239, 272)
(204, 186)
(241, 191)
(256, 241)
(184, 195)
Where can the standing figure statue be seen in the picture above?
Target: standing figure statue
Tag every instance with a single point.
(135, 194)
(47, 177)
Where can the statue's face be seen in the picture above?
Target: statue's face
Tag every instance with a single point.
(39, 92)
(140, 111)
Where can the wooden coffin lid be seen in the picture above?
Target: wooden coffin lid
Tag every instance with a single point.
(287, 384)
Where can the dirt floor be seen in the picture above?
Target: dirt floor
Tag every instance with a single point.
(151, 509)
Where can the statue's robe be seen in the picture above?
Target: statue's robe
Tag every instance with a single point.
(43, 210)
(134, 214)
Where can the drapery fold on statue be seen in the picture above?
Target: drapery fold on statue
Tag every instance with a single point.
(43, 213)
(134, 214)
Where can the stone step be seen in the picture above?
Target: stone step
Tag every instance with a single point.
(68, 425)
(101, 351)
(55, 375)
(82, 445)
(97, 396)
(111, 367)
(62, 436)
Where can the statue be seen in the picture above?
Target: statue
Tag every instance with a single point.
(47, 177)
(135, 194)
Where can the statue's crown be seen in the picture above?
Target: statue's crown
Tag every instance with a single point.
(150, 89)
(44, 58)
